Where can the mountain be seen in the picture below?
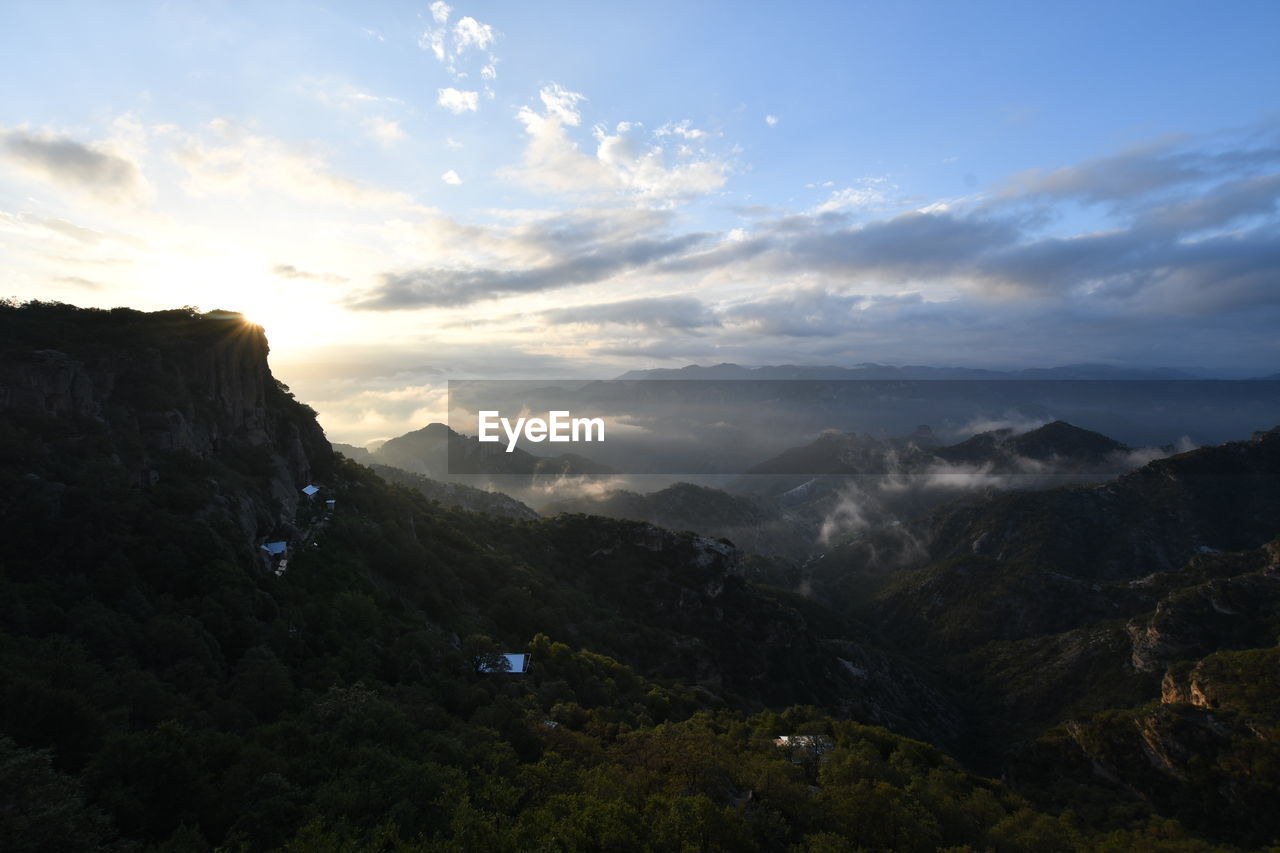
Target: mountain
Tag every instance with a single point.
(885, 371)
(356, 454)
(790, 505)
(439, 452)
(163, 398)
(754, 524)
(448, 494)
(1060, 446)
(1077, 619)
(1041, 562)
(167, 684)
(457, 494)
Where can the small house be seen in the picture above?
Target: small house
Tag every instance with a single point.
(310, 491)
(275, 549)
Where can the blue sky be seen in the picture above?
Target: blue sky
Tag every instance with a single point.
(401, 192)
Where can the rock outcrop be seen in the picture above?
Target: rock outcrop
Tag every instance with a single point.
(143, 386)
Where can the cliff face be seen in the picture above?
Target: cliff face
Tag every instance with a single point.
(1206, 751)
(139, 386)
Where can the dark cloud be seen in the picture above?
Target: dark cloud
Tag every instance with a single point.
(1187, 242)
(72, 163)
(1119, 176)
(1217, 207)
(1217, 275)
(1141, 172)
(912, 245)
(653, 313)
(811, 312)
(436, 287)
(970, 331)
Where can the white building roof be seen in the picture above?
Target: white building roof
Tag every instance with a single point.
(310, 490)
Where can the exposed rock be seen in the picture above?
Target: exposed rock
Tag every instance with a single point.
(163, 383)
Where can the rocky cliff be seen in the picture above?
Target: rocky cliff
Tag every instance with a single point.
(145, 388)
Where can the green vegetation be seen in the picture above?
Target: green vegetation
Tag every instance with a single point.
(163, 689)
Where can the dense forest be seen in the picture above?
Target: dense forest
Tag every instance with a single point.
(168, 685)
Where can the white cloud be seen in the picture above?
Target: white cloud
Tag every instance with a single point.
(641, 168)
(451, 177)
(457, 101)
(870, 194)
(562, 103)
(385, 131)
(452, 143)
(626, 160)
(469, 32)
(771, 120)
(683, 130)
(450, 45)
(240, 163)
(433, 40)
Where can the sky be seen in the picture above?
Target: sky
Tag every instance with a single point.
(402, 193)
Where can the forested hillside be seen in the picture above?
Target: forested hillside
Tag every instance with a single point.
(167, 684)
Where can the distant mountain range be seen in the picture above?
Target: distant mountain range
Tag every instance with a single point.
(872, 370)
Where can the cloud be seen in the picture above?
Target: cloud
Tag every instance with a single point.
(24, 223)
(433, 40)
(88, 284)
(104, 174)
(1141, 171)
(292, 272)
(241, 163)
(443, 288)
(457, 101)
(868, 195)
(771, 120)
(470, 33)
(451, 177)
(683, 129)
(385, 131)
(561, 104)
(651, 313)
(1218, 207)
(799, 312)
(906, 247)
(450, 46)
(626, 162)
